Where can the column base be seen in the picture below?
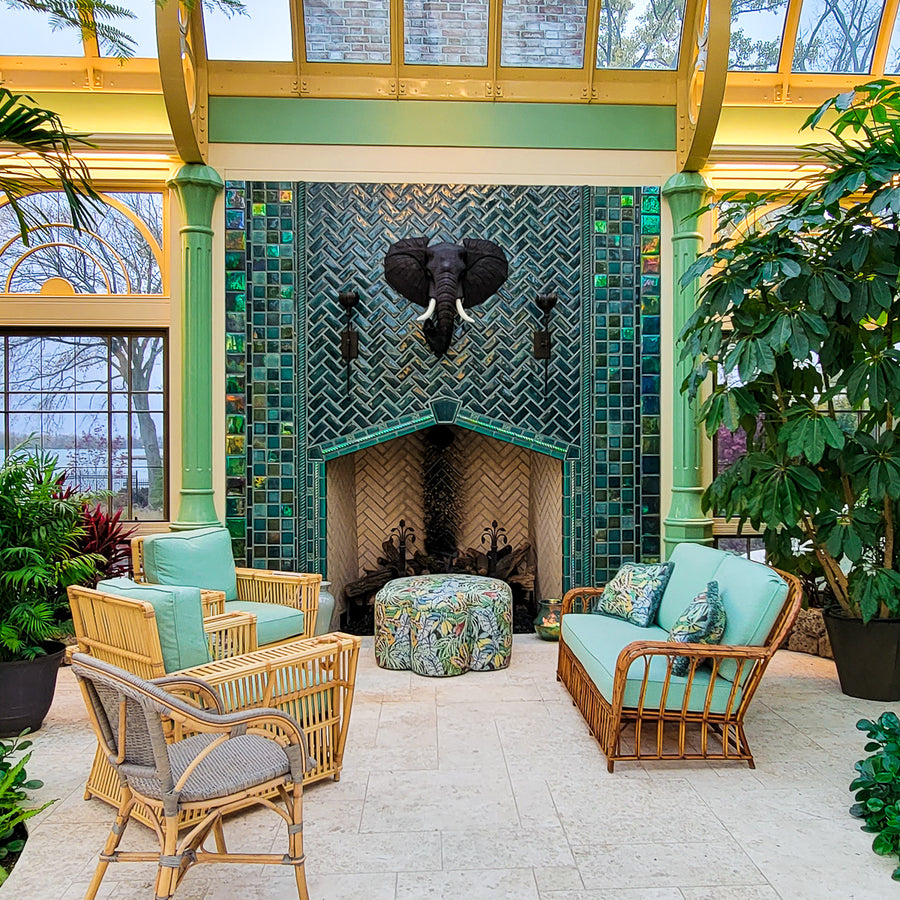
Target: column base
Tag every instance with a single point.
(197, 509)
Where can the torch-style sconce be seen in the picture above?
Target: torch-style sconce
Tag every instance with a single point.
(543, 342)
(349, 336)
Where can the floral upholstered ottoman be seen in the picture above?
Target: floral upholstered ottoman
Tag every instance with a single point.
(443, 624)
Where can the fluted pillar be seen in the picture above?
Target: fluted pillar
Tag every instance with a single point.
(196, 187)
(685, 192)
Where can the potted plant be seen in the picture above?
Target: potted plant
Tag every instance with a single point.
(799, 324)
(40, 556)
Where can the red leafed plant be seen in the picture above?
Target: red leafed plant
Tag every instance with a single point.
(107, 536)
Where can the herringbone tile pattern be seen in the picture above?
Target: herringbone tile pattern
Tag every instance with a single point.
(545, 516)
(490, 368)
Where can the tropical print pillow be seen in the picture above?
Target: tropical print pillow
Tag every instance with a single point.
(703, 622)
(635, 592)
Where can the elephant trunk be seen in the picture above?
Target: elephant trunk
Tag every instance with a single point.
(446, 290)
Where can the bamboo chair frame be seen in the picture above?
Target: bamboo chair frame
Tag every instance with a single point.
(721, 734)
(178, 854)
(310, 679)
(299, 590)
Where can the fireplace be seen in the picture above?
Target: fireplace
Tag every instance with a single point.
(447, 484)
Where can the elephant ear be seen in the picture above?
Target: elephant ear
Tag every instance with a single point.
(404, 269)
(486, 270)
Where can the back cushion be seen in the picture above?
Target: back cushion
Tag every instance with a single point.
(179, 619)
(753, 595)
(200, 558)
(695, 567)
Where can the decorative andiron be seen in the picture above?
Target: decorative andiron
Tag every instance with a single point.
(445, 279)
(405, 536)
(493, 535)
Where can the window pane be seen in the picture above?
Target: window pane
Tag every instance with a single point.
(892, 66)
(26, 33)
(102, 414)
(445, 34)
(340, 32)
(543, 35)
(112, 256)
(263, 33)
(757, 27)
(142, 28)
(837, 35)
(639, 34)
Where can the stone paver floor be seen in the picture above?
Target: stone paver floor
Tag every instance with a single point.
(489, 787)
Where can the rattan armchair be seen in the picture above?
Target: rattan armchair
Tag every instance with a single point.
(311, 679)
(230, 760)
(299, 590)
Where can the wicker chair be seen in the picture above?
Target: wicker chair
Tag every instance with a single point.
(312, 679)
(298, 590)
(230, 760)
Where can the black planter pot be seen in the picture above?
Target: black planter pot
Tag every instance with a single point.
(867, 656)
(27, 687)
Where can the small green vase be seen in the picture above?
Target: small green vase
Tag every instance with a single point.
(546, 622)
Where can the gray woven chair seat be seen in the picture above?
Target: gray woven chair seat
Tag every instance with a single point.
(239, 763)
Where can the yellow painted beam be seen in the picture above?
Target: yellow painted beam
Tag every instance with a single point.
(98, 113)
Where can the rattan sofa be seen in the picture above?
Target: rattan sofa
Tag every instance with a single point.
(620, 675)
(310, 679)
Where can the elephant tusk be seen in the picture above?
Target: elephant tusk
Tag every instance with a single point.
(462, 313)
(432, 303)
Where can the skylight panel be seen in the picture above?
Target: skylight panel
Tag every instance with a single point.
(338, 31)
(639, 34)
(445, 34)
(757, 27)
(837, 36)
(264, 33)
(27, 33)
(892, 65)
(142, 28)
(543, 35)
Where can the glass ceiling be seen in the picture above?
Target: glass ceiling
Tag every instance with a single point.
(800, 36)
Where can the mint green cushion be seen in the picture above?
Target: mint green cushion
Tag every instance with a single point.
(179, 619)
(695, 567)
(753, 596)
(201, 558)
(274, 622)
(596, 641)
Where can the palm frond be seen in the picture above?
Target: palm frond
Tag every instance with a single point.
(35, 149)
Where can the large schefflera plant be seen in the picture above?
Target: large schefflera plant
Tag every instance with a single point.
(799, 323)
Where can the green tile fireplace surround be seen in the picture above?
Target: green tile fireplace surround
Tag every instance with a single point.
(292, 247)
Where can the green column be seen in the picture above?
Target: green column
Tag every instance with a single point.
(686, 192)
(196, 187)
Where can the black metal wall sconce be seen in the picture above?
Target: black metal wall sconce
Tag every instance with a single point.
(349, 336)
(543, 340)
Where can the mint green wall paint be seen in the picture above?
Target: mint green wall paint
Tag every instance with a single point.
(294, 120)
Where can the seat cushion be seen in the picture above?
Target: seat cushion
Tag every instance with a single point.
(695, 567)
(179, 619)
(201, 558)
(596, 642)
(274, 622)
(236, 765)
(753, 595)
(634, 593)
(703, 622)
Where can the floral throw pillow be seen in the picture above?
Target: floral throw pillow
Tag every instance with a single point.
(635, 592)
(703, 622)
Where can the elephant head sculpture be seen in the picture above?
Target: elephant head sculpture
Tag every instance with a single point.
(445, 279)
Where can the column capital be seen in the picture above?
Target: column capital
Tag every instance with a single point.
(196, 187)
(685, 193)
